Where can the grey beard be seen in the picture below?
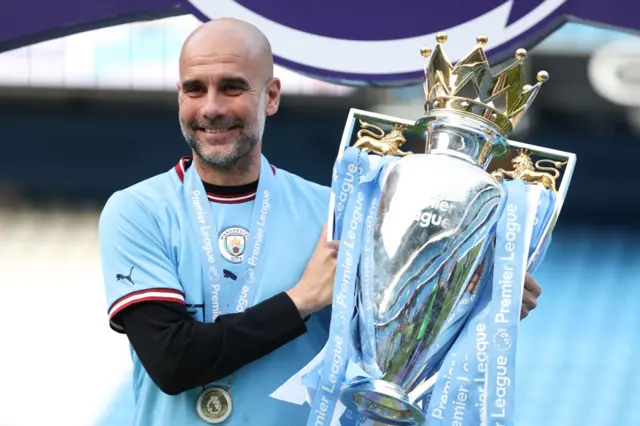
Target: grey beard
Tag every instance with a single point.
(245, 145)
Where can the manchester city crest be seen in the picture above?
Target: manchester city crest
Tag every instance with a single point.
(233, 242)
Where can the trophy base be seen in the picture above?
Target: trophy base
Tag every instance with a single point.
(382, 402)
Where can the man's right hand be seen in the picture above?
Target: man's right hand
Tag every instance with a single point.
(314, 291)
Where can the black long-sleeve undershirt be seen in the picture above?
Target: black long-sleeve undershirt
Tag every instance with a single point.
(180, 353)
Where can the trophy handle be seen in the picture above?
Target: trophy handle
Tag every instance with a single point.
(330, 218)
(355, 115)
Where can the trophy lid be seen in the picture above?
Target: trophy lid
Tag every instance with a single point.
(471, 88)
(462, 114)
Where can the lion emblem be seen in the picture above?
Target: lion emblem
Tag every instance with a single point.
(379, 142)
(524, 169)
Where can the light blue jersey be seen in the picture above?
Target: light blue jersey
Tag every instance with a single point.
(150, 252)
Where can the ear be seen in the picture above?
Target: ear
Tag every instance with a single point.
(273, 96)
(179, 86)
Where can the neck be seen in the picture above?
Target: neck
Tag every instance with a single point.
(245, 171)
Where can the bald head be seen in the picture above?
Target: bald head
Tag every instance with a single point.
(230, 39)
(226, 91)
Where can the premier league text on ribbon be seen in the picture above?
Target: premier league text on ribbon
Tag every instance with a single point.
(504, 316)
(346, 188)
(508, 265)
(343, 312)
(348, 262)
(461, 395)
(261, 223)
(458, 396)
(208, 249)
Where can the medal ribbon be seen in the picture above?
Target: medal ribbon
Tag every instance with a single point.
(219, 299)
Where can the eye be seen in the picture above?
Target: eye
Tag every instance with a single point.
(193, 89)
(234, 89)
(233, 86)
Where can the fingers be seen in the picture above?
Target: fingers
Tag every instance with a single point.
(323, 235)
(524, 312)
(331, 245)
(530, 301)
(532, 286)
(529, 298)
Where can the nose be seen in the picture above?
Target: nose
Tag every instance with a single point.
(214, 105)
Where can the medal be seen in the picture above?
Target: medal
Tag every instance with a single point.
(214, 405)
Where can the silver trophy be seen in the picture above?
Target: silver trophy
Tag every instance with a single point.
(434, 228)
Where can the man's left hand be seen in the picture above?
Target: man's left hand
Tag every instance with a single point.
(530, 296)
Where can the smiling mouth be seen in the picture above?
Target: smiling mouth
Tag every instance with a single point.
(215, 131)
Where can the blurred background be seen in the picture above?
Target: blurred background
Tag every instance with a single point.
(86, 115)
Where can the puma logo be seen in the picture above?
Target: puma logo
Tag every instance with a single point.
(126, 277)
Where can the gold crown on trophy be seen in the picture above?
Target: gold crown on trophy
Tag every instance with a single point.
(470, 87)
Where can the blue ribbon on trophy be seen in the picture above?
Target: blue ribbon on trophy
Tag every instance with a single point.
(355, 181)
(346, 175)
(541, 238)
(476, 380)
(433, 255)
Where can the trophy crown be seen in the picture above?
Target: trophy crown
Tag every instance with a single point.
(471, 88)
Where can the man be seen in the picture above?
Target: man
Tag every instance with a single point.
(218, 321)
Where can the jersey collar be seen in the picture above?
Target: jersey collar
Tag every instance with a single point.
(218, 194)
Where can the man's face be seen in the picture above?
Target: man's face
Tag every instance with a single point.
(223, 104)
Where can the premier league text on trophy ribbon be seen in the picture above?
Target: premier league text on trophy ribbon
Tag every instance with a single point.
(514, 236)
(358, 189)
(346, 187)
(346, 176)
(343, 301)
(479, 369)
(464, 372)
(349, 260)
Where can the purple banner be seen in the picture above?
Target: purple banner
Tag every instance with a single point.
(26, 22)
(345, 41)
